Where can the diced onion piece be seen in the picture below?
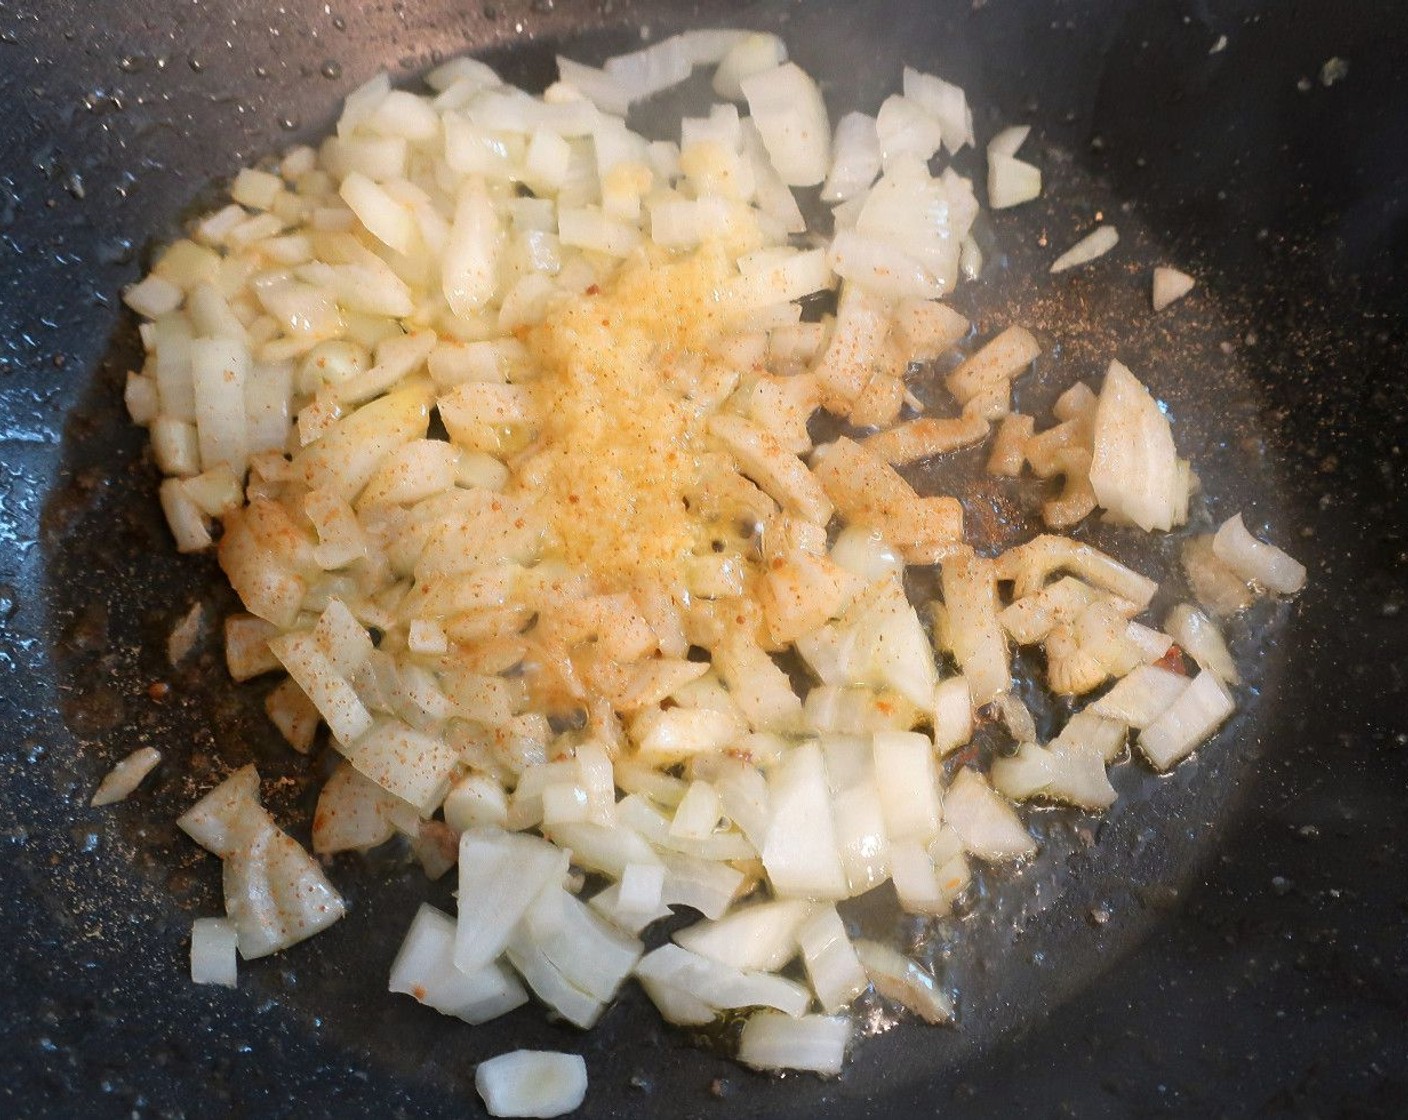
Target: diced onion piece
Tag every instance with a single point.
(605, 90)
(986, 823)
(126, 776)
(1201, 640)
(721, 985)
(974, 633)
(152, 296)
(864, 553)
(1089, 731)
(754, 53)
(928, 328)
(1140, 698)
(213, 957)
(1199, 710)
(227, 816)
(1088, 248)
(354, 813)
(652, 69)
(1134, 467)
(788, 109)
(678, 1006)
(704, 885)
(1009, 140)
(855, 158)
(800, 849)
(907, 128)
(816, 1043)
(500, 875)
(535, 1083)
(1170, 286)
(219, 370)
(549, 984)
(1011, 182)
(780, 473)
(897, 977)
(588, 952)
(1215, 585)
(1030, 565)
(425, 969)
(916, 879)
(992, 369)
(907, 780)
(859, 817)
(469, 265)
(833, 968)
(946, 101)
(761, 937)
(1074, 776)
(953, 715)
(1256, 561)
(668, 735)
(276, 893)
(641, 889)
(384, 217)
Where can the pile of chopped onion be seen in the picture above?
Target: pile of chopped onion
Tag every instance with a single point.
(499, 413)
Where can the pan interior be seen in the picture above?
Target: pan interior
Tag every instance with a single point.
(115, 588)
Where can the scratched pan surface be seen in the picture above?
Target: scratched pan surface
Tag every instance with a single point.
(1230, 941)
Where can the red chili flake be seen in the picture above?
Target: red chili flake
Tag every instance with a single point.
(158, 691)
(594, 290)
(1172, 661)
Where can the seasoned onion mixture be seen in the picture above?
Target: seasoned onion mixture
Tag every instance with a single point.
(500, 416)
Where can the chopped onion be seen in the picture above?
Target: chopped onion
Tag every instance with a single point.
(1198, 711)
(800, 849)
(588, 952)
(1141, 697)
(501, 873)
(984, 821)
(855, 158)
(1087, 249)
(1074, 776)
(126, 776)
(354, 813)
(678, 1006)
(761, 937)
(953, 715)
(833, 968)
(946, 101)
(906, 128)
(1170, 286)
(753, 54)
(788, 109)
(213, 959)
(1011, 182)
(1201, 640)
(605, 90)
(907, 781)
(985, 376)
(1256, 561)
(1089, 731)
(857, 812)
(1134, 468)
(425, 969)
(1009, 140)
(974, 634)
(897, 977)
(536, 1083)
(721, 985)
(813, 1042)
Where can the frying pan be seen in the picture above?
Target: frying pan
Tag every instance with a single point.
(1232, 942)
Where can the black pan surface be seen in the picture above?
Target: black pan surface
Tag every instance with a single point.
(1232, 944)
